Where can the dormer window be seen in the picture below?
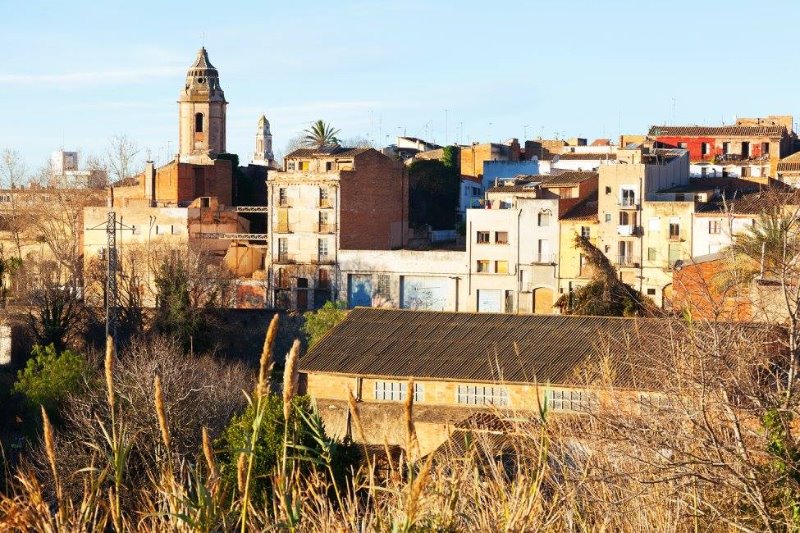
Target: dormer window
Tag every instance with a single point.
(198, 123)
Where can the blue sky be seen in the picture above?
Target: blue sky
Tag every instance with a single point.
(75, 73)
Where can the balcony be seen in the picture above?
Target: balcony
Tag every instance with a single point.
(326, 228)
(628, 261)
(325, 203)
(628, 203)
(283, 228)
(285, 258)
(544, 258)
(284, 202)
(628, 230)
(323, 260)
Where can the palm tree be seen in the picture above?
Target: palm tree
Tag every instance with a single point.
(320, 135)
(769, 247)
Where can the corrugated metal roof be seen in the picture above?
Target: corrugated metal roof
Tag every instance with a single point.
(469, 346)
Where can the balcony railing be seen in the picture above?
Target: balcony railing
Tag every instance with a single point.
(283, 228)
(321, 259)
(629, 203)
(284, 202)
(325, 203)
(326, 228)
(628, 230)
(286, 258)
(544, 258)
(628, 261)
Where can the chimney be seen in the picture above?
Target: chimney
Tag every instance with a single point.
(150, 182)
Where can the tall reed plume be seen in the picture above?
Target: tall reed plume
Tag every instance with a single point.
(266, 363)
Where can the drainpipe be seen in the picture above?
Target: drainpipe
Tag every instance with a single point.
(518, 271)
(334, 279)
(639, 214)
(469, 259)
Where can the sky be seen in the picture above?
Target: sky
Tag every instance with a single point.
(76, 73)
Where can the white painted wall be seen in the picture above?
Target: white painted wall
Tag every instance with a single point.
(382, 271)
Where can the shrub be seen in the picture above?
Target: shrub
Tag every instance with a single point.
(319, 322)
(309, 442)
(199, 391)
(49, 377)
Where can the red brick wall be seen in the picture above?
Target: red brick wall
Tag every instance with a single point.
(373, 211)
(175, 182)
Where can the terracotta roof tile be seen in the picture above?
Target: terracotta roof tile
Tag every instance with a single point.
(751, 204)
(337, 151)
(524, 183)
(790, 164)
(585, 210)
(587, 157)
(716, 131)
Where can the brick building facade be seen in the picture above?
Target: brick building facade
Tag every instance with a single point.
(324, 201)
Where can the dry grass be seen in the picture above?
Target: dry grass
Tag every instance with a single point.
(665, 472)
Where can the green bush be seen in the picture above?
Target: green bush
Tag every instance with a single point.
(49, 376)
(319, 322)
(308, 443)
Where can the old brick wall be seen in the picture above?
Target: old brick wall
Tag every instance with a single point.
(373, 212)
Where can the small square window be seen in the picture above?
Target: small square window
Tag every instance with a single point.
(651, 292)
(608, 217)
(544, 218)
(501, 237)
(501, 267)
(482, 237)
(482, 265)
(586, 232)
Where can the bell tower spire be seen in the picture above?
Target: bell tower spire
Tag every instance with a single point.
(201, 108)
(263, 154)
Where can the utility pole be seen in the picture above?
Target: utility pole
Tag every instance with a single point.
(112, 267)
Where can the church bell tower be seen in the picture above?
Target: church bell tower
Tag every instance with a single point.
(263, 154)
(201, 113)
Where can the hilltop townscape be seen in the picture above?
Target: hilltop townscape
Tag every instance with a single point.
(533, 334)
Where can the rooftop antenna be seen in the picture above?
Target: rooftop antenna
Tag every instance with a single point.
(445, 126)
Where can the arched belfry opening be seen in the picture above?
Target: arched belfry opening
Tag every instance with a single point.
(201, 112)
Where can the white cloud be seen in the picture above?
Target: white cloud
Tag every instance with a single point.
(92, 78)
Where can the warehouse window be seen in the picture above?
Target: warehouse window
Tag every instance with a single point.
(571, 400)
(395, 391)
(482, 395)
